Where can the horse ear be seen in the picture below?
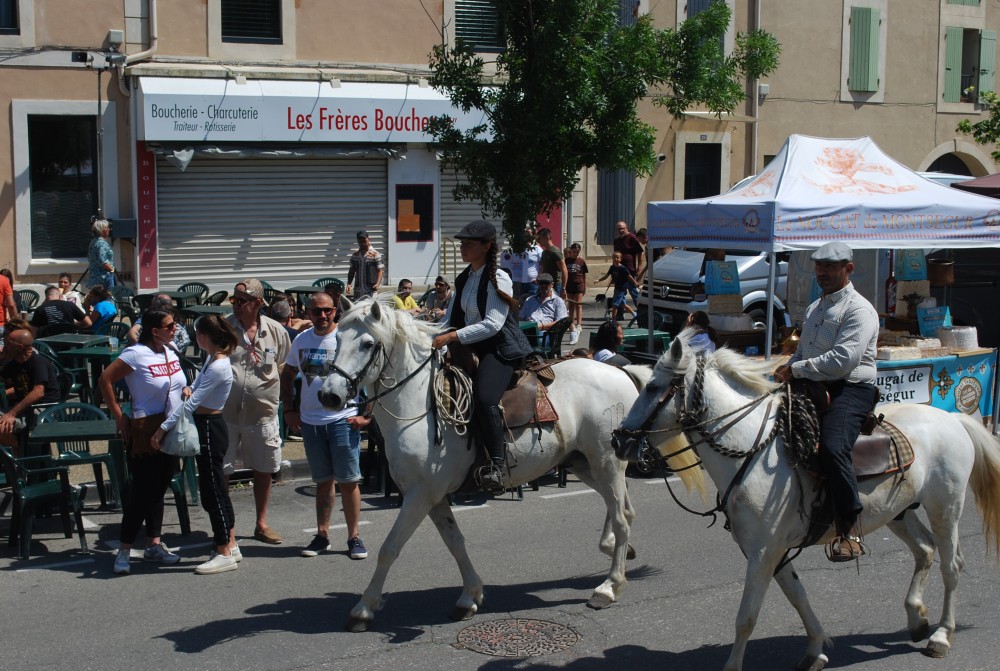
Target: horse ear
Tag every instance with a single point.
(345, 303)
(376, 310)
(677, 349)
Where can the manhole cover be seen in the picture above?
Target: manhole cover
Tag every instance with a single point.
(517, 638)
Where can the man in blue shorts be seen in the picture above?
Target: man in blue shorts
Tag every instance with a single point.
(331, 438)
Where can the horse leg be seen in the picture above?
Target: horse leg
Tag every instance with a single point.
(760, 565)
(944, 525)
(472, 592)
(414, 510)
(609, 481)
(795, 592)
(915, 535)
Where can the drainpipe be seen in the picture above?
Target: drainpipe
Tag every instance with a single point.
(132, 58)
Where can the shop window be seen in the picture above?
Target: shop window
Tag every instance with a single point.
(62, 157)
(970, 63)
(251, 21)
(478, 24)
(9, 24)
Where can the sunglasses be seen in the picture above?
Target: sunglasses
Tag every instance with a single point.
(238, 301)
(324, 311)
(169, 327)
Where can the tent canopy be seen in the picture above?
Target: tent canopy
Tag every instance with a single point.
(986, 186)
(817, 190)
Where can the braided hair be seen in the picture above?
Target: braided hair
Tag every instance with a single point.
(491, 272)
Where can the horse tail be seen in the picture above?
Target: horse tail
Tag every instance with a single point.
(985, 480)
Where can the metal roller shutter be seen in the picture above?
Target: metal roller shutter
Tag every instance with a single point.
(453, 217)
(284, 221)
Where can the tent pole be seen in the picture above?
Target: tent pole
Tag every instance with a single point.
(771, 280)
(651, 275)
(996, 390)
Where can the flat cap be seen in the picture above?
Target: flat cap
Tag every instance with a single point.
(833, 251)
(254, 289)
(544, 278)
(477, 230)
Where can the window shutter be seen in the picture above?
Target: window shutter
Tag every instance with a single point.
(696, 7)
(970, 3)
(952, 64)
(477, 22)
(615, 202)
(987, 61)
(863, 68)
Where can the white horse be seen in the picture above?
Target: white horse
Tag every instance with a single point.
(765, 506)
(389, 353)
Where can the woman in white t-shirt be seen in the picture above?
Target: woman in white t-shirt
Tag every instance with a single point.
(153, 374)
(206, 398)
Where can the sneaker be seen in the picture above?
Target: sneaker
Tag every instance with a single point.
(356, 548)
(122, 562)
(160, 553)
(267, 535)
(294, 436)
(319, 544)
(217, 564)
(574, 335)
(236, 553)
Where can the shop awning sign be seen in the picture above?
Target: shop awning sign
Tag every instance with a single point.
(222, 110)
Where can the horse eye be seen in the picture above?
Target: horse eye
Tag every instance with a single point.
(366, 346)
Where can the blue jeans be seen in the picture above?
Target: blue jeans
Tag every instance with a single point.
(333, 451)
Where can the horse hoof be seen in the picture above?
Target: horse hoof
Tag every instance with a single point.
(812, 663)
(458, 614)
(630, 553)
(599, 601)
(356, 625)
(921, 632)
(936, 650)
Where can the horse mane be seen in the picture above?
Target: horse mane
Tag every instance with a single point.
(395, 326)
(752, 374)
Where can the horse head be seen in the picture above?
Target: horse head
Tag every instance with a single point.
(369, 335)
(659, 405)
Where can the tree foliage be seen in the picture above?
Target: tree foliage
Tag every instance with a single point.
(566, 97)
(985, 131)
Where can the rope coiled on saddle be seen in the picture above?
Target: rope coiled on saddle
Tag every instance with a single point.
(453, 397)
(798, 424)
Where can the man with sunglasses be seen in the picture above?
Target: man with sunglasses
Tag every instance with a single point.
(251, 411)
(27, 379)
(331, 437)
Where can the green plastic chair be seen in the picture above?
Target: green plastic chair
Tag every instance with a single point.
(74, 453)
(34, 486)
(196, 286)
(217, 298)
(116, 330)
(323, 281)
(26, 299)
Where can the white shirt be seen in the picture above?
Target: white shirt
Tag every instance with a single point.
(311, 354)
(210, 390)
(479, 328)
(155, 382)
(532, 263)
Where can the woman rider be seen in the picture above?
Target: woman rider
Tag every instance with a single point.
(482, 315)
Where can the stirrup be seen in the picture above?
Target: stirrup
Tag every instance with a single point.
(845, 548)
(490, 478)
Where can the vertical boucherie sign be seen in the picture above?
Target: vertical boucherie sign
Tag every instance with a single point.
(148, 276)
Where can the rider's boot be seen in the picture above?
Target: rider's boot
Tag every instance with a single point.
(493, 476)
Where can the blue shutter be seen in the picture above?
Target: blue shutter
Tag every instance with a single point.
(615, 202)
(628, 11)
(696, 7)
(987, 61)
(952, 64)
(863, 68)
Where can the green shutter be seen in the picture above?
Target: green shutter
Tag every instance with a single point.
(863, 69)
(987, 61)
(952, 64)
(970, 3)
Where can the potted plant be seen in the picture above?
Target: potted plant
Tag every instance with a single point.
(912, 301)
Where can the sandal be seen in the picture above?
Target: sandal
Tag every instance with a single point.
(844, 548)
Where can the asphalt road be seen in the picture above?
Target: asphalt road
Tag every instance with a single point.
(62, 610)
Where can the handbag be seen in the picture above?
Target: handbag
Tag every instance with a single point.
(182, 440)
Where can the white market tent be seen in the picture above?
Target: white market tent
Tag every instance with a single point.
(817, 190)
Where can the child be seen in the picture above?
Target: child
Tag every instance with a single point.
(623, 280)
(576, 287)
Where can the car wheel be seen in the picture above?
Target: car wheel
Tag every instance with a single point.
(758, 315)
(646, 467)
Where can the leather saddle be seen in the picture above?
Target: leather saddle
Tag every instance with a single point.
(885, 450)
(526, 401)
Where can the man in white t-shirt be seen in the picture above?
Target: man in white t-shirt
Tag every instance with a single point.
(331, 438)
(532, 266)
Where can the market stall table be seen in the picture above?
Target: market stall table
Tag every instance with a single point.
(959, 382)
(65, 341)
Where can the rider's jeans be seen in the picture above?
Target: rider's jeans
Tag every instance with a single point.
(839, 428)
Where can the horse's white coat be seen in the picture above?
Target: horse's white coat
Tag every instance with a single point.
(590, 397)
(764, 508)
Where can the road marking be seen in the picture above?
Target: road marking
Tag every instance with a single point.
(458, 509)
(575, 493)
(659, 481)
(47, 567)
(89, 524)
